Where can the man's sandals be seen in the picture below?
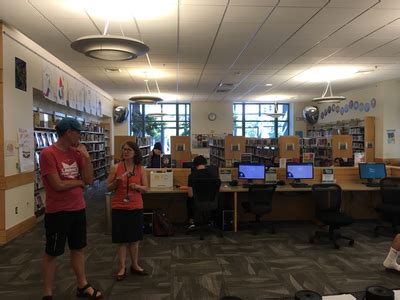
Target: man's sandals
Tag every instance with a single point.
(82, 292)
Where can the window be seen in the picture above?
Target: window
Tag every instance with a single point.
(251, 120)
(160, 121)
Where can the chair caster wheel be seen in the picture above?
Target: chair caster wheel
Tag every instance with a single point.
(351, 243)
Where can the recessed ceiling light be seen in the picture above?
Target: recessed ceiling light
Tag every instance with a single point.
(324, 74)
(268, 84)
(148, 73)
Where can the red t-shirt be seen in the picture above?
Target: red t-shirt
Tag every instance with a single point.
(135, 197)
(67, 164)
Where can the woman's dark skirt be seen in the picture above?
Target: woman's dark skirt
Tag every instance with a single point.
(127, 225)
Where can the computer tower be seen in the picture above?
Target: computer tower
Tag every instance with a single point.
(227, 220)
(148, 222)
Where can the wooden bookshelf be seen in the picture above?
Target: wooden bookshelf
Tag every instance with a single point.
(144, 144)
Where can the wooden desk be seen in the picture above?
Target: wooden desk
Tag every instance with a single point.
(346, 187)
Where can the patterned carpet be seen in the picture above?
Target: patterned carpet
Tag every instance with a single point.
(264, 266)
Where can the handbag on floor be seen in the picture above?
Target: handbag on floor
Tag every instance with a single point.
(162, 225)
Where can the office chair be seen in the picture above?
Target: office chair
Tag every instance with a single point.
(328, 198)
(260, 203)
(390, 206)
(205, 196)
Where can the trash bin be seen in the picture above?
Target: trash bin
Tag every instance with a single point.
(108, 213)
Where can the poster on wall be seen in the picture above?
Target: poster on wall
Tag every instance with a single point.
(99, 111)
(72, 93)
(391, 136)
(80, 94)
(20, 74)
(62, 88)
(49, 77)
(88, 100)
(25, 142)
(93, 103)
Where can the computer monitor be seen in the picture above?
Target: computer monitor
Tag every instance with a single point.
(299, 171)
(371, 171)
(187, 164)
(251, 171)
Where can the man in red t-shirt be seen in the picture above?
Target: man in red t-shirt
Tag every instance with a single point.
(66, 168)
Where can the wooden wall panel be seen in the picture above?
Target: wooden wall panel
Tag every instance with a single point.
(181, 156)
(284, 152)
(338, 140)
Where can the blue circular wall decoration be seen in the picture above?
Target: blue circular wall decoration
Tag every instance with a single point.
(342, 110)
(355, 105)
(329, 109)
(361, 106)
(337, 109)
(366, 107)
(351, 104)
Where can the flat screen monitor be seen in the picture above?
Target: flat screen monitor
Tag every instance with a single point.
(372, 170)
(299, 170)
(251, 171)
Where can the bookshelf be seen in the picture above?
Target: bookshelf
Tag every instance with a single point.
(263, 150)
(225, 151)
(93, 136)
(361, 132)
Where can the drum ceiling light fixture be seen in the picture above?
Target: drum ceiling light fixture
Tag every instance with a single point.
(146, 99)
(109, 47)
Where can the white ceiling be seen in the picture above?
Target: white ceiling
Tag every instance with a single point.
(247, 43)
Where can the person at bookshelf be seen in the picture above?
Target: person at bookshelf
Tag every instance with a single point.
(155, 156)
(128, 180)
(66, 168)
(390, 262)
(200, 171)
(338, 162)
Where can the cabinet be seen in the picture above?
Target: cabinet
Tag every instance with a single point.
(263, 150)
(144, 144)
(225, 151)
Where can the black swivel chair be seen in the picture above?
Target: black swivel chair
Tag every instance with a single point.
(390, 206)
(328, 198)
(205, 197)
(260, 203)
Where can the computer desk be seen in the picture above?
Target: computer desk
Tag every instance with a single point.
(346, 187)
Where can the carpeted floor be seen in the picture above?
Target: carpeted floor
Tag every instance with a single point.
(183, 267)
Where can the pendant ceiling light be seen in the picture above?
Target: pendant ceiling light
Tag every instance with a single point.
(275, 114)
(146, 99)
(110, 47)
(328, 98)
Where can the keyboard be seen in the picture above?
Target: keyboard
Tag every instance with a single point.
(300, 185)
(247, 185)
(373, 184)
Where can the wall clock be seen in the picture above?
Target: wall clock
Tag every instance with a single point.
(212, 116)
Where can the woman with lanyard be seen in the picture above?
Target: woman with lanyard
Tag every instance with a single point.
(128, 181)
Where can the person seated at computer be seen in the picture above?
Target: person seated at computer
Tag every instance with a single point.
(338, 162)
(391, 260)
(155, 156)
(199, 163)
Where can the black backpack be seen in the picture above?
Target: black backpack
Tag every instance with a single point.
(161, 224)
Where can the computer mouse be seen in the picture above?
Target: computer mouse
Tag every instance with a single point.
(280, 182)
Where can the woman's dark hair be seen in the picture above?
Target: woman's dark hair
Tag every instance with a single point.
(339, 160)
(199, 160)
(157, 146)
(137, 159)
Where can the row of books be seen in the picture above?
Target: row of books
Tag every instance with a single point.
(44, 138)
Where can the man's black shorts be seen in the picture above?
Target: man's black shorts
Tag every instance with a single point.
(64, 225)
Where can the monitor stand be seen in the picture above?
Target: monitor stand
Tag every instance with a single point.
(248, 183)
(371, 183)
(298, 184)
